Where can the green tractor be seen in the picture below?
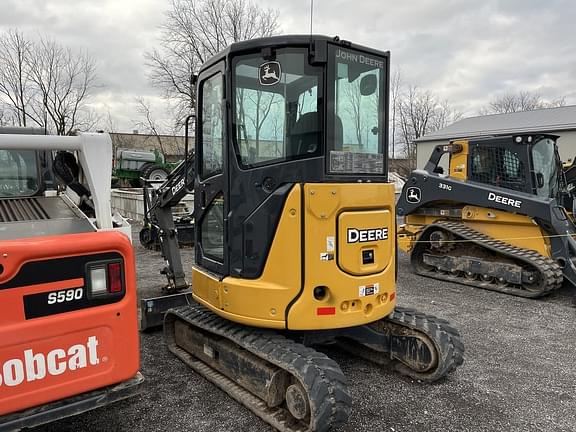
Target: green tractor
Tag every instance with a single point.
(131, 166)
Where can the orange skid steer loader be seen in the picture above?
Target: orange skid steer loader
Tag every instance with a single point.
(68, 323)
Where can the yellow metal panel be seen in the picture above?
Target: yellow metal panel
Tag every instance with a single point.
(251, 321)
(343, 306)
(262, 302)
(364, 231)
(514, 229)
(207, 287)
(409, 232)
(459, 162)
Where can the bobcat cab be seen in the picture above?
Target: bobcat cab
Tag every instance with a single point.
(68, 324)
(295, 232)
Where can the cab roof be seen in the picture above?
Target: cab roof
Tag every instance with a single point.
(284, 41)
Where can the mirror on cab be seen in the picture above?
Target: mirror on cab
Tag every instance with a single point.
(368, 84)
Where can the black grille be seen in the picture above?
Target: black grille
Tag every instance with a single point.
(21, 210)
(497, 166)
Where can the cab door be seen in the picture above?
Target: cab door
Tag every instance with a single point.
(210, 195)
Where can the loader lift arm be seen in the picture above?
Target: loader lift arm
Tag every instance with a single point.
(158, 205)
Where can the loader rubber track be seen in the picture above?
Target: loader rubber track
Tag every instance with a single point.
(319, 376)
(436, 332)
(548, 273)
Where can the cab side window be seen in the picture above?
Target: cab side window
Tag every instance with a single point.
(497, 166)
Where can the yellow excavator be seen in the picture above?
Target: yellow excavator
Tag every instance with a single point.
(502, 218)
(295, 233)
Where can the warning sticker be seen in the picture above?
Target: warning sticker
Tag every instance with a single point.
(368, 290)
(325, 256)
(330, 243)
(356, 163)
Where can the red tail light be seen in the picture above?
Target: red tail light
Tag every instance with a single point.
(114, 277)
(105, 278)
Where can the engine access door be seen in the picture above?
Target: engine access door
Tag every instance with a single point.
(365, 244)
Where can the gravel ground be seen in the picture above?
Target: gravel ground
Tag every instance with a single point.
(519, 373)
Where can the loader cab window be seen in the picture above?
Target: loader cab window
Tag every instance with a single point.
(546, 163)
(497, 166)
(19, 174)
(276, 107)
(356, 112)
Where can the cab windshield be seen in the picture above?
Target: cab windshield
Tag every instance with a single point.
(18, 173)
(276, 107)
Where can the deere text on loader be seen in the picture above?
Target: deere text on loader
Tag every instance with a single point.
(295, 232)
(68, 327)
(501, 219)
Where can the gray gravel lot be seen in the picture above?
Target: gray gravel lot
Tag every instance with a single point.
(519, 373)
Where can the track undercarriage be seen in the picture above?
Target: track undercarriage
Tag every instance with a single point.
(453, 252)
(290, 385)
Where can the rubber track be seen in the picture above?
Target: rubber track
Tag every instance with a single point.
(445, 338)
(448, 342)
(320, 376)
(548, 268)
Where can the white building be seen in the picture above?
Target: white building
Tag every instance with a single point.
(556, 121)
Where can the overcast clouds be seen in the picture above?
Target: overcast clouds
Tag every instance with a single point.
(466, 51)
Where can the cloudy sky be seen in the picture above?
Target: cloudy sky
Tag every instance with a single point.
(466, 51)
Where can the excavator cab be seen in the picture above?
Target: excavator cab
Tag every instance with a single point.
(291, 140)
(295, 232)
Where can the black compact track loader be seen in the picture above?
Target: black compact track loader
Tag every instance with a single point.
(502, 218)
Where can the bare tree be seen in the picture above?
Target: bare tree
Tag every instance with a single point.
(46, 84)
(111, 127)
(260, 103)
(395, 86)
(16, 87)
(194, 31)
(278, 132)
(149, 124)
(4, 117)
(444, 115)
(421, 112)
(64, 81)
(354, 109)
(521, 101)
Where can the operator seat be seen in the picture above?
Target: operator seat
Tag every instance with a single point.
(67, 171)
(305, 136)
